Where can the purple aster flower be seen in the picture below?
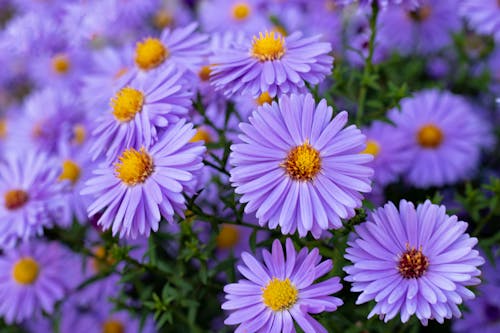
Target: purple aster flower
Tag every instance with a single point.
(443, 136)
(413, 261)
(483, 16)
(425, 29)
(31, 195)
(382, 3)
(282, 291)
(183, 47)
(44, 130)
(233, 15)
(139, 110)
(33, 277)
(99, 317)
(272, 63)
(483, 313)
(147, 182)
(298, 168)
(76, 167)
(390, 157)
(110, 70)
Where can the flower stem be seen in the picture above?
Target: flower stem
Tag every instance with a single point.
(368, 64)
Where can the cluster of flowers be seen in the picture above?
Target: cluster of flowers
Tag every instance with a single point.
(107, 112)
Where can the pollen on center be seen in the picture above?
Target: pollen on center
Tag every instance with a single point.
(240, 11)
(113, 326)
(430, 136)
(25, 271)
(372, 148)
(303, 162)
(61, 63)
(134, 166)
(264, 98)
(150, 53)
(228, 237)
(70, 171)
(269, 46)
(15, 199)
(127, 103)
(279, 294)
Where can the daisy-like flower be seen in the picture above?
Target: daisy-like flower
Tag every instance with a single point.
(483, 313)
(271, 63)
(139, 109)
(425, 29)
(413, 261)
(147, 182)
(443, 136)
(183, 47)
(33, 277)
(298, 168)
(31, 195)
(483, 16)
(386, 144)
(235, 15)
(282, 291)
(382, 3)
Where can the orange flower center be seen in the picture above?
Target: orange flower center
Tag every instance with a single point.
(268, 47)
(303, 162)
(150, 53)
(430, 136)
(15, 199)
(412, 263)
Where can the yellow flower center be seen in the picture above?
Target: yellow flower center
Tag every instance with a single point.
(430, 136)
(264, 98)
(241, 11)
(372, 147)
(201, 135)
(3, 128)
(79, 134)
(15, 199)
(61, 64)
(279, 294)
(150, 53)
(70, 171)
(412, 263)
(127, 103)
(303, 162)
(228, 237)
(420, 14)
(113, 326)
(102, 259)
(204, 73)
(269, 46)
(162, 19)
(25, 271)
(134, 167)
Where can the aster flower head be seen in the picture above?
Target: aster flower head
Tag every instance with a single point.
(280, 291)
(483, 16)
(183, 47)
(233, 15)
(273, 63)
(422, 30)
(139, 110)
(33, 277)
(413, 262)
(146, 183)
(382, 3)
(442, 135)
(390, 158)
(298, 168)
(31, 195)
(483, 313)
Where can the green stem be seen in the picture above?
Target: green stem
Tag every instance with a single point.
(368, 64)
